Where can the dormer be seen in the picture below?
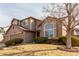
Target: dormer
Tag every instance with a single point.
(15, 21)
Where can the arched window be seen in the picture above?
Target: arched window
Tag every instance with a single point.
(49, 30)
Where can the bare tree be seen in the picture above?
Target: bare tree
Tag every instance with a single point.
(68, 13)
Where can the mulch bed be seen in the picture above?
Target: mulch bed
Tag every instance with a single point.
(68, 50)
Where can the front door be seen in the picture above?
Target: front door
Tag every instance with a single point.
(38, 34)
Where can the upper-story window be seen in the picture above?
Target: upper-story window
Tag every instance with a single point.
(25, 23)
(15, 22)
(49, 30)
(31, 24)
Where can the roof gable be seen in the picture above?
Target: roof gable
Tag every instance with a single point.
(10, 28)
(30, 18)
(18, 28)
(48, 18)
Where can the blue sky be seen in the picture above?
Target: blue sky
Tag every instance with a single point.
(8, 11)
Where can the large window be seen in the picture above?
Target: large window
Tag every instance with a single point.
(25, 23)
(49, 30)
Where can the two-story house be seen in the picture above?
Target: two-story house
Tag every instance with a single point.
(31, 27)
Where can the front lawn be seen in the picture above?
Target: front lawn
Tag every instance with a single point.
(36, 50)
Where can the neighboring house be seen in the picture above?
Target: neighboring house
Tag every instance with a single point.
(2, 31)
(31, 27)
(6, 28)
(1, 34)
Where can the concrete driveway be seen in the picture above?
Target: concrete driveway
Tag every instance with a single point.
(2, 45)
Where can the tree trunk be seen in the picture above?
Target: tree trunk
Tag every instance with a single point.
(69, 32)
(68, 43)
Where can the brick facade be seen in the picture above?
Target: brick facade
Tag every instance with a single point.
(28, 28)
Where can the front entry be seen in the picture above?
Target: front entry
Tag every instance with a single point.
(38, 34)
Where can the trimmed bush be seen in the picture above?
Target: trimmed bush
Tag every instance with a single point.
(62, 40)
(74, 40)
(40, 40)
(13, 42)
(76, 35)
(53, 40)
(9, 43)
(18, 40)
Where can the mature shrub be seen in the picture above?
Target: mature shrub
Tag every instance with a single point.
(62, 40)
(53, 40)
(76, 35)
(74, 40)
(9, 43)
(40, 40)
(18, 40)
(13, 42)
